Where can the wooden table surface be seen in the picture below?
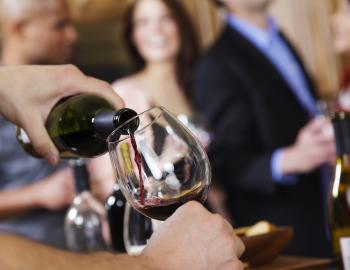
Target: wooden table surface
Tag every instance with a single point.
(297, 263)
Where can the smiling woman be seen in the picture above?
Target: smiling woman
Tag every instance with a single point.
(163, 48)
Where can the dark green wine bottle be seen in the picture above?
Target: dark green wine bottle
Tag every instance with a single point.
(79, 126)
(339, 199)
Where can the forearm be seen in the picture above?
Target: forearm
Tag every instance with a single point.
(278, 174)
(289, 161)
(18, 253)
(17, 201)
(101, 177)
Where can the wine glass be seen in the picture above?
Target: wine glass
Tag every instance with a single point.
(137, 230)
(161, 165)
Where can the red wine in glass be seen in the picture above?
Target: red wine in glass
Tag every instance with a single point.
(161, 208)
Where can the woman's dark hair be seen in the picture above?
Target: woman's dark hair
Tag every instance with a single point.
(189, 47)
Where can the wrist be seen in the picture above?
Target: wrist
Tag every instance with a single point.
(288, 162)
(36, 195)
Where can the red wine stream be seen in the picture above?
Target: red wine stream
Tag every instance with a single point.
(138, 160)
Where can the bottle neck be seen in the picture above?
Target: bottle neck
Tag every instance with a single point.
(106, 122)
(344, 162)
(81, 175)
(342, 136)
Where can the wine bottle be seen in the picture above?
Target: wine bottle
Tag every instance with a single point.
(115, 206)
(83, 221)
(79, 126)
(339, 199)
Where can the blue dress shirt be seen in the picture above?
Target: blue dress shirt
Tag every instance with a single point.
(270, 43)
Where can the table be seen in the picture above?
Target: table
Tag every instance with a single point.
(297, 263)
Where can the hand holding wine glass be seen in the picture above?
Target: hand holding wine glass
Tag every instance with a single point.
(161, 165)
(203, 241)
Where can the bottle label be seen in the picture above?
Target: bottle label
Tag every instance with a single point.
(345, 251)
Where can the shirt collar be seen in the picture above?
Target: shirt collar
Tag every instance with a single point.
(260, 37)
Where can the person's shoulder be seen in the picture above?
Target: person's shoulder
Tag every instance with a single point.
(220, 53)
(131, 91)
(126, 85)
(220, 44)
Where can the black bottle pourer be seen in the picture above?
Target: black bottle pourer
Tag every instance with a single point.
(125, 119)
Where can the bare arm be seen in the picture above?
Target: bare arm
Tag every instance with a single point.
(54, 192)
(102, 178)
(18, 253)
(203, 241)
(17, 201)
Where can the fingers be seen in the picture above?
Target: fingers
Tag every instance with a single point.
(104, 90)
(231, 265)
(240, 247)
(76, 82)
(91, 85)
(317, 124)
(40, 139)
(319, 129)
(317, 139)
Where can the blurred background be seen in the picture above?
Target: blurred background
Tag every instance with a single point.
(250, 102)
(101, 52)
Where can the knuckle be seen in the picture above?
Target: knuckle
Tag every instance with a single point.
(240, 247)
(105, 85)
(41, 148)
(70, 68)
(231, 246)
(218, 221)
(194, 206)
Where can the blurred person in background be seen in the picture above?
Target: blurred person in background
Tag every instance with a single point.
(341, 45)
(269, 149)
(163, 46)
(34, 194)
(341, 27)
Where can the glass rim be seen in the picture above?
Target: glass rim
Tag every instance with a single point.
(117, 130)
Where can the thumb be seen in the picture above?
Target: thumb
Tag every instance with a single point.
(40, 139)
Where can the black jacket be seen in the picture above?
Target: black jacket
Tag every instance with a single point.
(252, 112)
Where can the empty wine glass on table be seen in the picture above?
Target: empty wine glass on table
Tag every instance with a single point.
(161, 165)
(85, 224)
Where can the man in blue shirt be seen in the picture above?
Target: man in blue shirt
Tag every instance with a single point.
(269, 146)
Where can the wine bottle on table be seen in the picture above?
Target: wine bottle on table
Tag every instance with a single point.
(339, 199)
(115, 206)
(79, 126)
(83, 222)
